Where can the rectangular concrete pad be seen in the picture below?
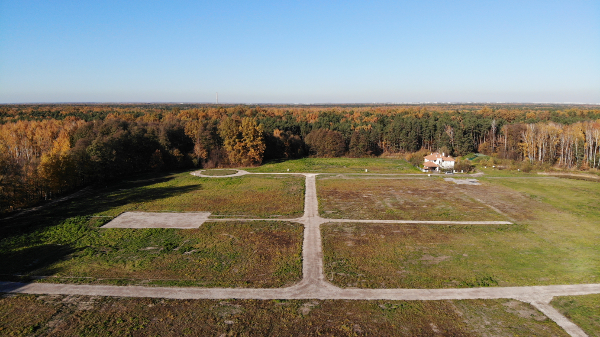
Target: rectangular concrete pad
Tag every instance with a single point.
(158, 220)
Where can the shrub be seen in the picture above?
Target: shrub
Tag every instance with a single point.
(464, 166)
(416, 158)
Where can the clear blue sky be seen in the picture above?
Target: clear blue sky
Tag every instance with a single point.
(299, 51)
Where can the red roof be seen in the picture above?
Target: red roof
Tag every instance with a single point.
(433, 156)
(430, 164)
(437, 155)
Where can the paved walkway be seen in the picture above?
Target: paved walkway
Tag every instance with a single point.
(314, 285)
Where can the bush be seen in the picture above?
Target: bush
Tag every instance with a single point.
(417, 158)
(464, 166)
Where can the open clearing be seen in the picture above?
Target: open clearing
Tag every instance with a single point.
(85, 315)
(448, 256)
(555, 240)
(540, 221)
(347, 197)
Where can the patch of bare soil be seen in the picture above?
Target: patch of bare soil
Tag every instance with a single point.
(524, 310)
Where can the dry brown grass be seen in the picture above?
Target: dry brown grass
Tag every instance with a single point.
(91, 316)
(399, 199)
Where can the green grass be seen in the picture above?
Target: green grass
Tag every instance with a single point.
(581, 310)
(339, 165)
(236, 254)
(280, 196)
(554, 241)
(490, 171)
(218, 172)
(575, 197)
(399, 199)
(26, 315)
(65, 240)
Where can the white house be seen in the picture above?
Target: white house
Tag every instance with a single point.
(437, 161)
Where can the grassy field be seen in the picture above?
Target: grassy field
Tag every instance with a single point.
(338, 165)
(244, 254)
(65, 240)
(554, 241)
(581, 310)
(414, 198)
(218, 172)
(576, 197)
(280, 196)
(28, 315)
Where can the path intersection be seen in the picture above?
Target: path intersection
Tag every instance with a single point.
(313, 284)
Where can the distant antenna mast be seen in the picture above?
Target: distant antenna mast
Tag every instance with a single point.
(217, 98)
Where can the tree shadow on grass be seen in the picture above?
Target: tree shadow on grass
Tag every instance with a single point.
(18, 265)
(123, 196)
(96, 201)
(25, 245)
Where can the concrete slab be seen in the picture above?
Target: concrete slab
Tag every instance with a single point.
(463, 181)
(158, 220)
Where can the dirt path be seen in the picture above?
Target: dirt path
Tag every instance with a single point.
(314, 285)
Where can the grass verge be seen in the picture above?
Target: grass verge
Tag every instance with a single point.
(581, 310)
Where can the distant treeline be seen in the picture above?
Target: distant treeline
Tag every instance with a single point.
(49, 150)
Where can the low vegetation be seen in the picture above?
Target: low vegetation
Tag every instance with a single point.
(29, 315)
(338, 165)
(218, 172)
(553, 241)
(281, 196)
(256, 254)
(581, 310)
(425, 198)
(64, 240)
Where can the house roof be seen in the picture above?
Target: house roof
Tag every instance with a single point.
(430, 164)
(435, 156)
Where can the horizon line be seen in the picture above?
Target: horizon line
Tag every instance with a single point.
(300, 104)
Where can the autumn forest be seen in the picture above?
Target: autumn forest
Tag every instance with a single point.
(48, 150)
